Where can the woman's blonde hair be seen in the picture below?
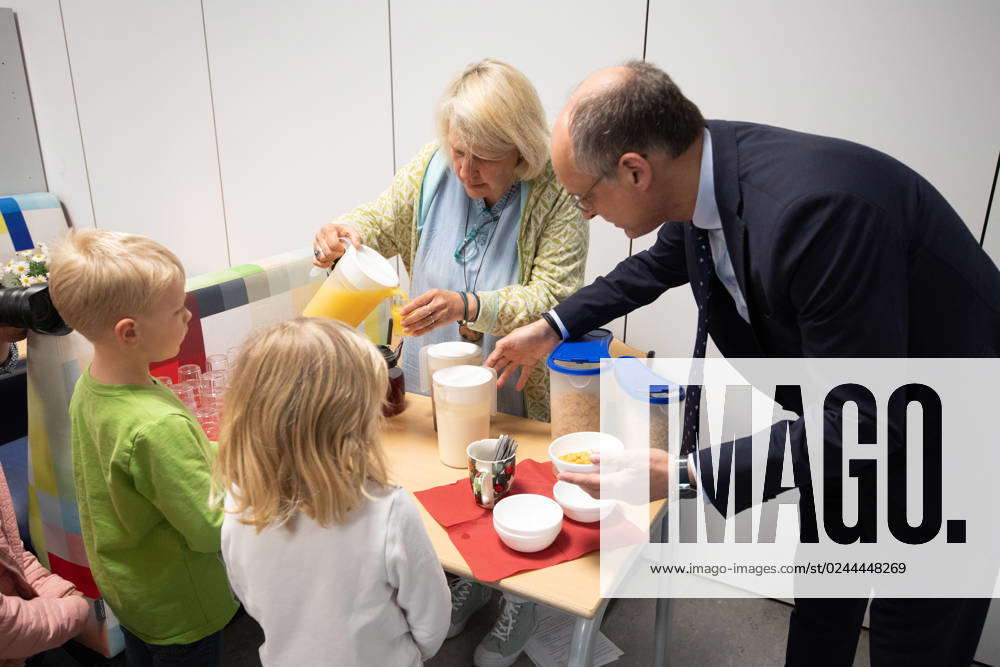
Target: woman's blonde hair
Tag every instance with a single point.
(300, 430)
(495, 109)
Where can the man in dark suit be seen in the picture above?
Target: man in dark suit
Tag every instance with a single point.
(795, 245)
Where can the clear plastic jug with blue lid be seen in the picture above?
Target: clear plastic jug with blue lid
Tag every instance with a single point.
(575, 382)
(643, 384)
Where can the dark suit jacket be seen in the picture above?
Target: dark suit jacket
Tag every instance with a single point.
(839, 250)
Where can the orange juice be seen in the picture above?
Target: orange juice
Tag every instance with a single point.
(398, 300)
(350, 306)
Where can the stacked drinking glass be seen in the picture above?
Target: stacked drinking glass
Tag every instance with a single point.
(203, 392)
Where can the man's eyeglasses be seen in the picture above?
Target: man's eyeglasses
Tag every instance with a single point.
(580, 201)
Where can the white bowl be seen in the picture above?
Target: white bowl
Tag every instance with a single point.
(526, 544)
(580, 505)
(527, 522)
(582, 441)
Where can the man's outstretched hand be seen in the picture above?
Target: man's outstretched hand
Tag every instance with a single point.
(522, 349)
(628, 469)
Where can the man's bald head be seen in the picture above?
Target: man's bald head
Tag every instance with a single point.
(600, 81)
(633, 108)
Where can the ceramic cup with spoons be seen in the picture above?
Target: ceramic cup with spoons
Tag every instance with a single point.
(491, 479)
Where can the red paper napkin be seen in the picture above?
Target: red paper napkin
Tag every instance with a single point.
(470, 527)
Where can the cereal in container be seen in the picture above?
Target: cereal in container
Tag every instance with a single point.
(575, 383)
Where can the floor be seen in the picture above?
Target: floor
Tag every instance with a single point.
(706, 632)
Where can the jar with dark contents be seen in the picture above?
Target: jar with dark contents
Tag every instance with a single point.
(396, 396)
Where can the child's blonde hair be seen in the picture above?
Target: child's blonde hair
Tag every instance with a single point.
(300, 431)
(98, 277)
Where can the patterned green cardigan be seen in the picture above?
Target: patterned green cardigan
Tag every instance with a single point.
(552, 247)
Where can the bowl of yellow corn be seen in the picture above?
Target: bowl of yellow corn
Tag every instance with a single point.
(572, 452)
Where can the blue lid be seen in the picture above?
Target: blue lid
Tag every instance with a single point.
(641, 383)
(581, 356)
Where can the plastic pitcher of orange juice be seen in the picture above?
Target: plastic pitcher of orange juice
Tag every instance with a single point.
(360, 280)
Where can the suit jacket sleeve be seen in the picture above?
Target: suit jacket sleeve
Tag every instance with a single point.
(635, 282)
(844, 270)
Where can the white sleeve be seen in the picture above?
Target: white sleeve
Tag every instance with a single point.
(414, 571)
(562, 327)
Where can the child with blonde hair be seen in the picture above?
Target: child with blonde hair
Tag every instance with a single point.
(141, 463)
(331, 560)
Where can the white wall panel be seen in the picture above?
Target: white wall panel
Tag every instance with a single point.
(141, 78)
(908, 78)
(913, 78)
(47, 67)
(608, 246)
(21, 169)
(302, 106)
(668, 324)
(556, 44)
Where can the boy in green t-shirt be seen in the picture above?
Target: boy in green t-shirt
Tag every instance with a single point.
(141, 463)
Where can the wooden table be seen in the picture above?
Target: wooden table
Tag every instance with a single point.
(573, 586)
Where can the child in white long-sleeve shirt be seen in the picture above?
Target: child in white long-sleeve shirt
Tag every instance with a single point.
(333, 562)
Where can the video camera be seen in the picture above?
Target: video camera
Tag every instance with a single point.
(31, 308)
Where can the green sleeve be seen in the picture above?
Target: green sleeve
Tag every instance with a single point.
(556, 272)
(171, 466)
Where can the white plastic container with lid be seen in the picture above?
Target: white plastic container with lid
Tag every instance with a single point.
(575, 383)
(436, 356)
(359, 281)
(575, 380)
(640, 383)
(466, 398)
(442, 355)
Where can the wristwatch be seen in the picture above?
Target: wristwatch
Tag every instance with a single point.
(684, 477)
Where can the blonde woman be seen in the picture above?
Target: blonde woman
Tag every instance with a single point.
(331, 560)
(488, 236)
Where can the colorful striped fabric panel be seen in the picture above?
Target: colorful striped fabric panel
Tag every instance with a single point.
(53, 517)
(28, 220)
(227, 305)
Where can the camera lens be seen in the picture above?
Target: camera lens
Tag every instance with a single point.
(31, 308)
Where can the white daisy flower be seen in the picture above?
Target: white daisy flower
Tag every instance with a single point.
(25, 281)
(26, 253)
(21, 267)
(38, 258)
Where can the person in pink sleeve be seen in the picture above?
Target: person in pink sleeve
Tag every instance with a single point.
(38, 610)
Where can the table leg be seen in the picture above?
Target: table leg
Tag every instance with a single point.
(584, 633)
(661, 631)
(664, 610)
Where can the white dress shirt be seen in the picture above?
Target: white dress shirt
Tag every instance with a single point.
(706, 216)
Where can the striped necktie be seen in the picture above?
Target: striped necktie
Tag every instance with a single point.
(701, 284)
